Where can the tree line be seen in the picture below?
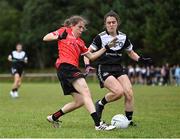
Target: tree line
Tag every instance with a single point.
(153, 27)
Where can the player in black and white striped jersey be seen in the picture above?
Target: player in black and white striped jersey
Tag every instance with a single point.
(18, 59)
(110, 71)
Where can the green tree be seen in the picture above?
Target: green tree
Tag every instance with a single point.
(162, 32)
(38, 18)
(10, 31)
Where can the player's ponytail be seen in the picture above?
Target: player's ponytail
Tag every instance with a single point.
(67, 23)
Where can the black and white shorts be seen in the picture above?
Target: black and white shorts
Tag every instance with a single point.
(68, 73)
(104, 71)
(16, 70)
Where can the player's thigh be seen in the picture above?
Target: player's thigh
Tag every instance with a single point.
(81, 86)
(113, 85)
(125, 83)
(17, 77)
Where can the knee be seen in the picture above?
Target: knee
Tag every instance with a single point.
(86, 93)
(79, 103)
(118, 93)
(19, 83)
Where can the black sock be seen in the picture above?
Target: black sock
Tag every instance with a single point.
(57, 114)
(129, 114)
(104, 101)
(14, 89)
(95, 118)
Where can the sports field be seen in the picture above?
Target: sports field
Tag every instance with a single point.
(157, 113)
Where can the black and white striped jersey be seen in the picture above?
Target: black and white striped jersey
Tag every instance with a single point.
(114, 55)
(18, 58)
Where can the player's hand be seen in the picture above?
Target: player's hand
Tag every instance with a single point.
(88, 69)
(112, 43)
(63, 35)
(145, 60)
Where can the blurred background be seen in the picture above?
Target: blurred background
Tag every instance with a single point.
(153, 27)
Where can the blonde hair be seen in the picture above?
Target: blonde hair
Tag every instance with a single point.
(73, 20)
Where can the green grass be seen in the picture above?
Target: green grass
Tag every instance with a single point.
(157, 113)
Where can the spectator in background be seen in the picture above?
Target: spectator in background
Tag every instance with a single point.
(167, 73)
(177, 75)
(172, 75)
(163, 74)
(131, 74)
(143, 75)
(137, 74)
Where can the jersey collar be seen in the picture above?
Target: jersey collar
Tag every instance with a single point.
(116, 32)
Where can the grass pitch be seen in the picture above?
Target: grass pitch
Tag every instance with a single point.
(157, 113)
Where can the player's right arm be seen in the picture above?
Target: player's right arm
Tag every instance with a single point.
(56, 35)
(50, 37)
(10, 58)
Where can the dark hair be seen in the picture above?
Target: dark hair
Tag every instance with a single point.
(73, 20)
(113, 14)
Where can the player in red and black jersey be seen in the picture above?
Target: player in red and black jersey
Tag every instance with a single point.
(70, 48)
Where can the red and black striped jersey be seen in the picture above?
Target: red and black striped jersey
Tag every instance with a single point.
(70, 49)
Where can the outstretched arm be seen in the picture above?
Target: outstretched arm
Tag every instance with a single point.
(55, 36)
(86, 60)
(50, 37)
(95, 55)
(145, 60)
(88, 67)
(133, 55)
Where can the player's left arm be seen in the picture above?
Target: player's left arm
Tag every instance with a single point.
(26, 60)
(145, 60)
(133, 55)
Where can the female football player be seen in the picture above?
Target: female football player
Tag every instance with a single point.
(70, 48)
(18, 59)
(110, 72)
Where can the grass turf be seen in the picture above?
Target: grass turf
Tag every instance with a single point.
(157, 113)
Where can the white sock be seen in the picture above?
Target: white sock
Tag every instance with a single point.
(100, 103)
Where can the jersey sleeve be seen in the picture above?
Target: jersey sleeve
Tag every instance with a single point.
(58, 32)
(97, 43)
(128, 46)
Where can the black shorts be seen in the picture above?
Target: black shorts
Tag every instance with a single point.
(16, 70)
(68, 73)
(104, 71)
